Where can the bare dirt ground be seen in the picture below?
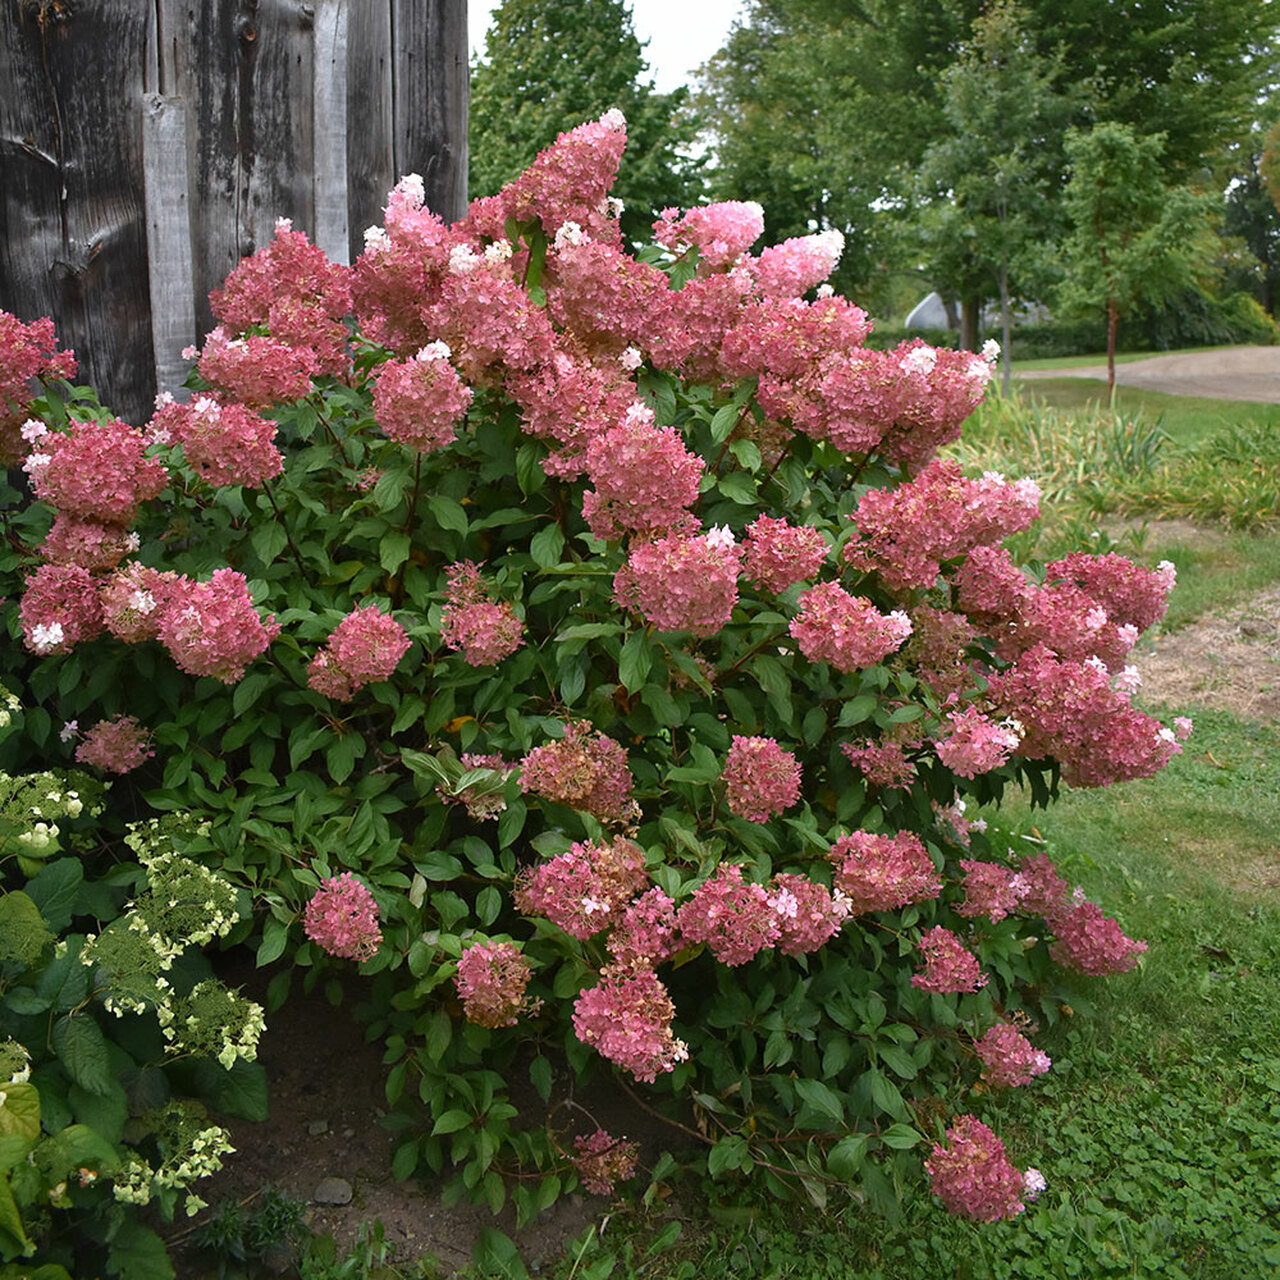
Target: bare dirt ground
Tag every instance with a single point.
(1232, 373)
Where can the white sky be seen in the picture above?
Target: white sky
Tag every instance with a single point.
(679, 35)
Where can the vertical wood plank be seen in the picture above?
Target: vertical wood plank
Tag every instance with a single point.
(84, 155)
(329, 128)
(432, 90)
(370, 158)
(164, 159)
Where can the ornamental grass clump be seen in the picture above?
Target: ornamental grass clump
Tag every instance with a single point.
(605, 671)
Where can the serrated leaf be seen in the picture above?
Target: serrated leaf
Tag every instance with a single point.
(856, 710)
(448, 513)
(901, 1137)
(885, 1094)
(20, 1115)
(723, 421)
(136, 1252)
(451, 1122)
(54, 890)
(496, 1255)
(488, 905)
(540, 1076)
(547, 546)
(248, 691)
(898, 1060)
(275, 937)
(739, 487)
(589, 631)
(393, 549)
(635, 661)
(822, 1098)
(846, 1157)
(80, 1045)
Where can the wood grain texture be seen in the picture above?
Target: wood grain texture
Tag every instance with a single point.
(432, 88)
(173, 313)
(329, 128)
(371, 153)
(72, 196)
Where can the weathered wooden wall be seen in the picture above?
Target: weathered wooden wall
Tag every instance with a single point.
(147, 145)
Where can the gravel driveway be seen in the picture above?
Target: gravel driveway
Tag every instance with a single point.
(1230, 373)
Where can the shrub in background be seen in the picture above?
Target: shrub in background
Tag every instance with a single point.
(593, 649)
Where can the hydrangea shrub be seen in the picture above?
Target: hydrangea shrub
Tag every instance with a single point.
(597, 650)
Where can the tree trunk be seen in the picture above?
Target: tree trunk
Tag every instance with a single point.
(969, 316)
(1113, 319)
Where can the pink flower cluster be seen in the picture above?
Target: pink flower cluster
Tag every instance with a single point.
(224, 442)
(1008, 1057)
(212, 628)
(881, 872)
(584, 770)
(646, 933)
(848, 632)
(1090, 942)
(491, 979)
(681, 584)
(992, 890)
(419, 402)
(292, 288)
(905, 534)
(809, 915)
(134, 599)
(364, 648)
(721, 232)
(59, 609)
(115, 746)
(1069, 711)
(776, 555)
(760, 779)
(96, 471)
(27, 351)
(734, 918)
(883, 764)
(975, 744)
(1130, 594)
(972, 1176)
(485, 632)
(584, 889)
(644, 476)
(627, 1019)
(949, 966)
(255, 370)
(601, 1160)
(342, 918)
(793, 267)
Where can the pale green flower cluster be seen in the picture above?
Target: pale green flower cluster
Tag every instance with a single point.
(15, 1062)
(31, 803)
(212, 1020)
(8, 705)
(186, 902)
(190, 1149)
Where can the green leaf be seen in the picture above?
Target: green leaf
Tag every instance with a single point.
(240, 1092)
(275, 937)
(635, 661)
(14, 1241)
(589, 631)
(901, 1137)
(885, 1094)
(20, 1115)
(488, 904)
(547, 546)
(248, 692)
(729, 1153)
(23, 935)
(723, 420)
(79, 1043)
(268, 540)
(393, 550)
(856, 710)
(739, 487)
(54, 889)
(822, 1098)
(451, 1122)
(846, 1157)
(540, 1076)
(448, 513)
(342, 755)
(137, 1253)
(897, 1059)
(496, 1255)
(529, 472)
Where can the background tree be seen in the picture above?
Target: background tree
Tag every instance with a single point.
(825, 108)
(989, 185)
(1133, 239)
(550, 64)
